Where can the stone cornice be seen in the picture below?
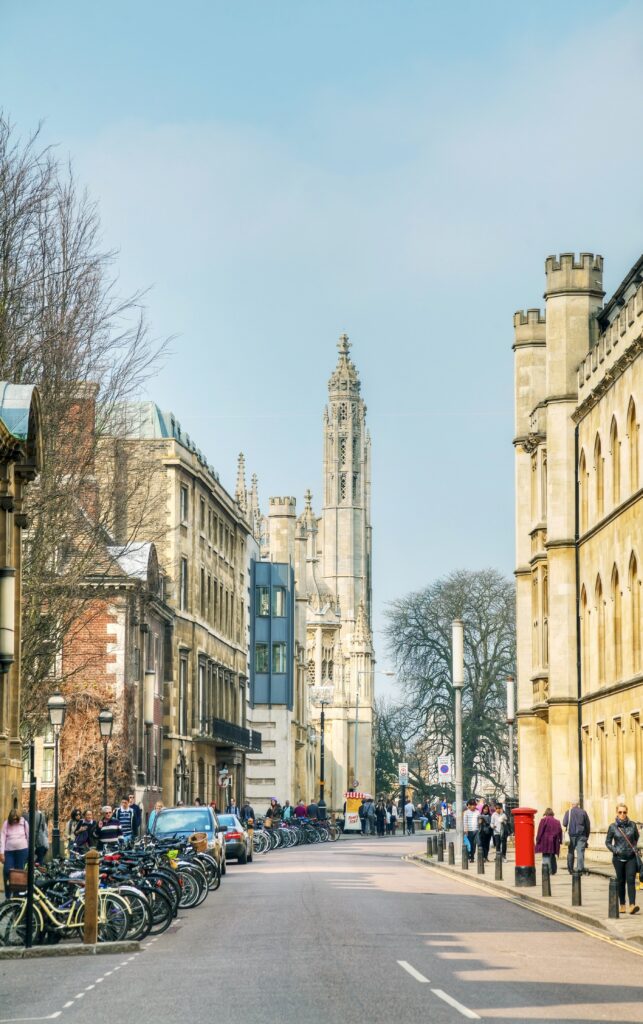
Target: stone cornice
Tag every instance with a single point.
(614, 514)
(608, 691)
(562, 543)
(610, 376)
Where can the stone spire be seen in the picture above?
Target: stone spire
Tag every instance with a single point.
(344, 381)
(254, 512)
(362, 632)
(241, 495)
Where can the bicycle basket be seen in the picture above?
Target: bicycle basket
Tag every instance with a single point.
(199, 841)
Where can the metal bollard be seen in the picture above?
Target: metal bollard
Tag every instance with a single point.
(613, 903)
(451, 849)
(428, 846)
(576, 890)
(434, 846)
(465, 858)
(90, 927)
(546, 880)
(440, 852)
(498, 866)
(480, 861)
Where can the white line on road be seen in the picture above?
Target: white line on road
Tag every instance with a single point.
(16, 1020)
(464, 1010)
(88, 987)
(68, 1004)
(412, 971)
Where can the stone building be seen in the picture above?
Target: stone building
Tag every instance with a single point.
(20, 461)
(579, 541)
(331, 556)
(200, 534)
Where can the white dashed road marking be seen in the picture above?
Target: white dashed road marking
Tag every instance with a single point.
(412, 971)
(19, 1020)
(464, 1010)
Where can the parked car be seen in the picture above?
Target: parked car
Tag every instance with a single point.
(183, 821)
(237, 841)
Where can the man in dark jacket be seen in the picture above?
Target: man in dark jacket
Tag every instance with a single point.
(577, 823)
(108, 830)
(137, 816)
(247, 812)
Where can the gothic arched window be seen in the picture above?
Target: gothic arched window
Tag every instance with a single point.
(633, 435)
(635, 612)
(598, 471)
(582, 485)
(615, 452)
(616, 624)
(600, 630)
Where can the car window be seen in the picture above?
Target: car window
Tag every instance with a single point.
(228, 819)
(179, 820)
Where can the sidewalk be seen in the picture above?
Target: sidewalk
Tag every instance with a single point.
(594, 888)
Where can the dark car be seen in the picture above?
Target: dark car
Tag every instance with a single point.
(183, 821)
(237, 841)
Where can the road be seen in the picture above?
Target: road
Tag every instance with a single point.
(345, 933)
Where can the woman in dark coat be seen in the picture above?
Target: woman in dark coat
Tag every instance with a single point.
(484, 830)
(622, 837)
(548, 839)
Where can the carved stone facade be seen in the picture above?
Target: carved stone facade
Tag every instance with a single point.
(579, 541)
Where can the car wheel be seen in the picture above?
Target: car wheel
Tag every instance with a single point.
(243, 857)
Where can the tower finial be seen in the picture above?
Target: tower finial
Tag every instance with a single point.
(240, 494)
(343, 345)
(308, 498)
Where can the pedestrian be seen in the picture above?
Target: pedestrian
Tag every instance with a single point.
(301, 810)
(233, 808)
(125, 818)
(362, 817)
(108, 830)
(42, 836)
(548, 839)
(485, 831)
(14, 846)
(288, 811)
(394, 815)
(85, 834)
(312, 811)
(137, 816)
(71, 827)
(198, 802)
(158, 807)
(578, 826)
(380, 816)
(621, 840)
(247, 813)
(500, 830)
(409, 811)
(450, 818)
(470, 828)
(273, 814)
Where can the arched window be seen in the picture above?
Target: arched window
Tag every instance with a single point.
(598, 471)
(633, 436)
(615, 452)
(584, 640)
(635, 612)
(600, 630)
(582, 484)
(616, 625)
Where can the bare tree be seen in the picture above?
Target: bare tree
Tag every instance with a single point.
(64, 327)
(419, 639)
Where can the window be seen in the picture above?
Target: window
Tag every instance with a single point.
(183, 585)
(184, 504)
(183, 697)
(342, 487)
(584, 618)
(598, 469)
(209, 607)
(342, 451)
(209, 524)
(279, 657)
(263, 600)
(202, 593)
(201, 700)
(616, 626)
(618, 737)
(635, 613)
(636, 730)
(602, 751)
(202, 515)
(279, 602)
(615, 451)
(633, 435)
(48, 755)
(261, 658)
(582, 484)
(600, 618)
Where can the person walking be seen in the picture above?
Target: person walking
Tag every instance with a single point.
(247, 812)
(42, 836)
(70, 828)
(380, 816)
(14, 845)
(470, 827)
(485, 831)
(500, 829)
(300, 810)
(621, 840)
(548, 839)
(108, 830)
(409, 811)
(394, 817)
(578, 826)
(85, 834)
(137, 816)
(125, 818)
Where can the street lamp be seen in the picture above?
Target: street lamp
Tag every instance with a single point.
(322, 695)
(457, 644)
(511, 717)
(7, 617)
(105, 724)
(56, 707)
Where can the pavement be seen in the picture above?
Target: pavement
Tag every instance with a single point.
(349, 932)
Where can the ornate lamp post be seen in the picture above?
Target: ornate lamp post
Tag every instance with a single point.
(322, 695)
(511, 717)
(105, 724)
(457, 643)
(56, 707)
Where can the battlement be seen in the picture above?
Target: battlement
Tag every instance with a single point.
(530, 316)
(282, 506)
(529, 328)
(569, 273)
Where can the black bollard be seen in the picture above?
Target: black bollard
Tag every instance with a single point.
(428, 846)
(613, 903)
(576, 892)
(440, 852)
(451, 849)
(434, 840)
(465, 858)
(546, 880)
(498, 866)
(480, 861)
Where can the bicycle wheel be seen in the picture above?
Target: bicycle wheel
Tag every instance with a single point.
(113, 917)
(211, 868)
(138, 907)
(190, 889)
(161, 909)
(13, 924)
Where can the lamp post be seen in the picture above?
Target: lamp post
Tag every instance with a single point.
(105, 724)
(56, 707)
(322, 695)
(7, 617)
(511, 717)
(457, 649)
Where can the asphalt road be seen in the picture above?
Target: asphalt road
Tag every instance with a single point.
(344, 932)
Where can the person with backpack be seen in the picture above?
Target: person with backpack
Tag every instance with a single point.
(578, 826)
(484, 830)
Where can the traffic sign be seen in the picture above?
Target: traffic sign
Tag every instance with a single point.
(403, 773)
(445, 769)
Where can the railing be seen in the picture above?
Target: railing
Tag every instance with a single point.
(227, 732)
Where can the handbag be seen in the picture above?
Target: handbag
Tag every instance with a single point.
(639, 862)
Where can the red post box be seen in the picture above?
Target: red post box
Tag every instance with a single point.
(525, 852)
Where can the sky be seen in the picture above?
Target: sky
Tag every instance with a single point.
(277, 173)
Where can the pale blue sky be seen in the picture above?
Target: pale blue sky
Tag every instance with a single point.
(280, 172)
